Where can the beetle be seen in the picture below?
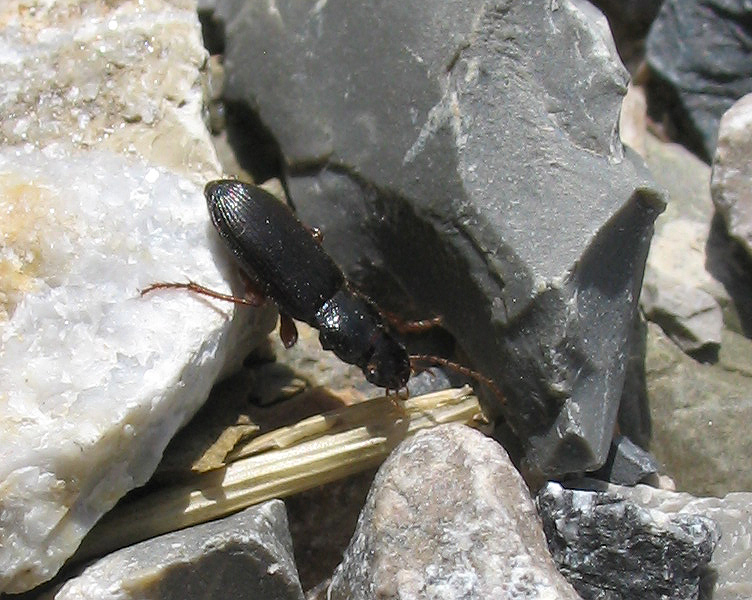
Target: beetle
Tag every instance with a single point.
(283, 260)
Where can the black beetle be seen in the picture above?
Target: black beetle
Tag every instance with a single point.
(283, 260)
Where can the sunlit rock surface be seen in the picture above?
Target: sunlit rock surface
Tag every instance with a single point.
(128, 76)
(103, 153)
(94, 379)
(463, 160)
(448, 516)
(246, 555)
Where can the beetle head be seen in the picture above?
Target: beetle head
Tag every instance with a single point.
(388, 365)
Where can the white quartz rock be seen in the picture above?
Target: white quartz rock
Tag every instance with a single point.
(94, 378)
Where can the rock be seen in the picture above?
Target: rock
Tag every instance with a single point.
(102, 164)
(322, 521)
(696, 86)
(699, 413)
(611, 548)
(95, 378)
(247, 555)
(460, 166)
(730, 576)
(687, 273)
(128, 78)
(448, 516)
(690, 316)
(627, 463)
(629, 23)
(731, 181)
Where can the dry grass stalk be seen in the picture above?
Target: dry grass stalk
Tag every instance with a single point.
(315, 451)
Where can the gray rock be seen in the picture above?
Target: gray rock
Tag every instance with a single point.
(611, 548)
(699, 85)
(247, 555)
(634, 409)
(448, 516)
(690, 316)
(689, 259)
(730, 575)
(627, 463)
(463, 161)
(731, 180)
(700, 414)
(630, 21)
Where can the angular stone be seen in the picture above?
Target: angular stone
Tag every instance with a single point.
(104, 154)
(461, 167)
(690, 316)
(611, 548)
(699, 413)
(96, 379)
(730, 569)
(627, 463)
(690, 256)
(128, 77)
(731, 181)
(448, 516)
(247, 555)
(700, 85)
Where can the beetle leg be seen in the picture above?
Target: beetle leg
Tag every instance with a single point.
(317, 234)
(288, 333)
(192, 286)
(253, 291)
(416, 359)
(411, 326)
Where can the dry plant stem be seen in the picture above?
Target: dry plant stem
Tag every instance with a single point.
(315, 451)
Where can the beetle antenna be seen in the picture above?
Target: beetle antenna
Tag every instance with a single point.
(458, 368)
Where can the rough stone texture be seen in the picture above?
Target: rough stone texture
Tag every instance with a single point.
(630, 21)
(463, 160)
(695, 411)
(627, 463)
(102, 160)
(611, 548)
(699, 414)
(247, 555)
(96, 379)
(127, 77)
(448, 516)
(691, 317)
(700, 49)
(689, 258)
(730, 569)
(731, 180)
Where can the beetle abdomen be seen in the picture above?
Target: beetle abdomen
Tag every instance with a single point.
(274, 247)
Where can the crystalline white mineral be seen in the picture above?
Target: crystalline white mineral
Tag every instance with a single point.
(94, 378)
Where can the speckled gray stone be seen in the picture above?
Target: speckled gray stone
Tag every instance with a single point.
(448, 516)
(610, 548)
(247, 555)
(730, 569)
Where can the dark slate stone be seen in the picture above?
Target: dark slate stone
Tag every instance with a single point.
(463, 161)
(611, 548)
(700, 50)
(246, 555)
(627, 463)
(630, 21)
